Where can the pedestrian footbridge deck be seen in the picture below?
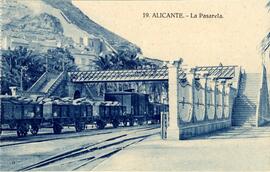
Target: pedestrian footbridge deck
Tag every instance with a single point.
(158, 74)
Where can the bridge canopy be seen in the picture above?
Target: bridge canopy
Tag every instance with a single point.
(158, 74)
(217, 72)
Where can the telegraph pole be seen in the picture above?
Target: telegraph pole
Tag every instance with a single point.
(21, 83)
(46, 63)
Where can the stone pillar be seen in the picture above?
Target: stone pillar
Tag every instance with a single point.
(223, 83)
(173, 131)
(70, 89)
(204, 82)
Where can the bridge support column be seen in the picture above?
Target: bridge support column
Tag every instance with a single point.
(173, 131)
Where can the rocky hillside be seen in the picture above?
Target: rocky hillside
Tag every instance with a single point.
(53, 19)
(43, 23)
(75, 15)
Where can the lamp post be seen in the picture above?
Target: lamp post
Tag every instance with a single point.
(21, 83)
(63, 65)
(46, 63)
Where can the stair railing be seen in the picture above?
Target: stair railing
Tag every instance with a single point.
(56, 83)
(39, 82)
(240, 78)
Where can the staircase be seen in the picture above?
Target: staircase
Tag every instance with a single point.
(45, 85)
(245, 105)
(93, 92)
(55, 82)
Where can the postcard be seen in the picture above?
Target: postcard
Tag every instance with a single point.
(133, 85)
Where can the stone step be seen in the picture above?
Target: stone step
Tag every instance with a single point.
(244, 119)
(248, 112)
(240, 114)
(244, 109)
(253, 82)
(244, 106)
(245, 103)
(251, 92)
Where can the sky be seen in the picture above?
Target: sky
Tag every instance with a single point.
(232, 40)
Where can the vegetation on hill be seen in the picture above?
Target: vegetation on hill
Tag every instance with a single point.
(124, 59)
(30, 65)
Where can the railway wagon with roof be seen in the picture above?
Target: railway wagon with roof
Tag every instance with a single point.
(155, 110)
(105, 112)
(137, 106)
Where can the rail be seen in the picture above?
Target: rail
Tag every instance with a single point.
(240, 75)
(56, 83)
(65, 17)
(39, 82)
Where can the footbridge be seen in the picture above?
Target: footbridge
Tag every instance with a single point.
(200, 99)
(159, 74)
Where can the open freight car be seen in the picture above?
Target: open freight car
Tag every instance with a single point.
(21, 114)
(60, 112)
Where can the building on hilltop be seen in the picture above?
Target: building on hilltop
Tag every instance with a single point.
(84, 60)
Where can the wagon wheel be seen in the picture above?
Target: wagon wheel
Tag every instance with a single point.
(19, 133)
(79, 126)
(57, 128)
(131, 122)
(125, 122)
(100, 124)
(115, 123)
(25, 132)
(34, 129)
(22, 130)
(83, 126)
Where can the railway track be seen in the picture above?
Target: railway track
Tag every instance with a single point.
(88, 156)
(69, 134)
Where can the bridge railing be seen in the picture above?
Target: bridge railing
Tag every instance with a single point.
(210, 110)
(200, 103)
